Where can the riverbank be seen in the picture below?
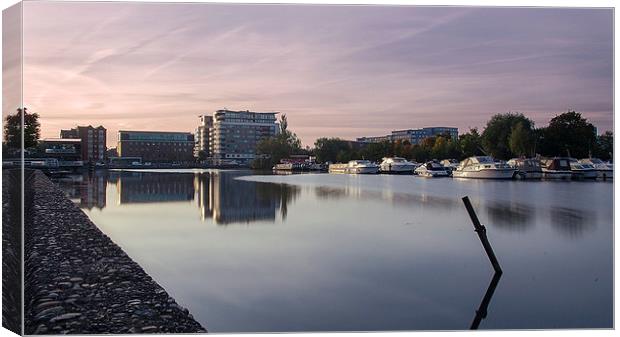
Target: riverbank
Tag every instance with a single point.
(78, 281)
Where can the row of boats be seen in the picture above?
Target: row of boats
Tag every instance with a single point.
(485, 167)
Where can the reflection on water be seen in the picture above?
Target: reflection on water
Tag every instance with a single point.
(338, 257)
(571, 222)
(510, 215)
(249, 203)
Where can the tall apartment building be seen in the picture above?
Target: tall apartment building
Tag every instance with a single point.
(93, 141)
(414, 136)
(156, 146)
(202, 135)
(234, 135)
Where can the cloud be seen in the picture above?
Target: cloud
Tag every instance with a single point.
(364, 70)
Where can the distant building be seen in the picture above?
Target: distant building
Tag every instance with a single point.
(93, 141)
(235, 134)
(156, 146)
(68, 152)
(202, 135)
(414, 136)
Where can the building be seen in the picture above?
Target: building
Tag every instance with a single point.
(93, 141)
(414, 136)
(67, 151)
(202, 136)
(156, 146)
(235, 134)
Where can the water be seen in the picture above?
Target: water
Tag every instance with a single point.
(325, 252)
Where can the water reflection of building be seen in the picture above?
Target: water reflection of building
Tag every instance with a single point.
(227, 200)
(140, 187)
(88, 189)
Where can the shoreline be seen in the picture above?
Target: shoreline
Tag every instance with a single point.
(77, 280)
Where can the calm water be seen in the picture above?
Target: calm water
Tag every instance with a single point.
(321, 252)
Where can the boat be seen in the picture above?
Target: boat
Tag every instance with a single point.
(582, 170)
(355, 167)
(527, 168)
(432, 169)
(483, 167)
(603, 170)
(363, 167)
(289, 167)
(396, 165)
(556, 168)
(450, 164)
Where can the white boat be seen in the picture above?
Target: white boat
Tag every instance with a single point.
(363, 167)
(527, 168)
(556, 168)
(355, 167)
(396, 165)
(432, 169)
(582, 170)
(603, 170)
(450, 164)
(483, 167)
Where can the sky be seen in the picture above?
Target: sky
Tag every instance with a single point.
(336, 71)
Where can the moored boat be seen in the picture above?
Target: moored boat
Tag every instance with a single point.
(355, 167)
(450, 164)
(582, 170)
(603, 170)
(432, 169)
(396, 165)
(527, 168)
(556, 168)
(483, 167)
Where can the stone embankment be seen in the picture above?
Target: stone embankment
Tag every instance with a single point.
(78, 281)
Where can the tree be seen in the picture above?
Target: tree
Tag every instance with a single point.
(569, 134)
(495, 137)
(329, 149)
(604, 148)
(470, 144)
(13, 129)
(271, 150)
(202, 155)
(520, 140)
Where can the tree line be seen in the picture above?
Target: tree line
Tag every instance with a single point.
(505, 136)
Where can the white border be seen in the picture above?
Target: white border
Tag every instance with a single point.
(502, 3)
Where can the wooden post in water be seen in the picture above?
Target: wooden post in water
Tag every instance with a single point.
(482, 234)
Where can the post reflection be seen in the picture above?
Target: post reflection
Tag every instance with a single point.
(482, 311)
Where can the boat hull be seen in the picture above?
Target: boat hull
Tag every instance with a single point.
(363, 170)
(485, 174)
(584, 174)
(433, 174)
(557, 175)
(530, 174)
(397, 169)
(605, 174)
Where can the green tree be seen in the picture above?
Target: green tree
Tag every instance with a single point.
(604, 148)
(202, 155)
(13, 129)
(569, 133)
(521, 140)
(329, 149)
(271, 150)
(495, 137)
(470, 144)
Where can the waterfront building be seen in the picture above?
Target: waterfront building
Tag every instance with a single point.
(202, 135)
(93, 141)
(414, 136)
(235, 134)
(156, 146)
(67, 151)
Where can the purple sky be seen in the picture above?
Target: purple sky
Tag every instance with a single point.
(334, 70)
